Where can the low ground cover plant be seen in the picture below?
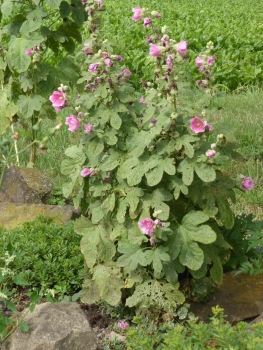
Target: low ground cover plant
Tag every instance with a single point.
(50, 255)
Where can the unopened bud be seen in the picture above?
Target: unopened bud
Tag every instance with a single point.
(174, 115)
(45, 139)
(156, 213)
(164, 29)
(77, 108)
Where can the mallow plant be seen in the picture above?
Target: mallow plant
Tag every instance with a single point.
(146, 173)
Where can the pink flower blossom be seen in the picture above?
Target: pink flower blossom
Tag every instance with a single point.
(100, 3)
(123, 324)
(104, 55)
(158, 15)
(127, 71)
(88, 128)
(211, 60)
(210, 153)
(29, 52)
(58, 99)
(137, 16)
(147, 22)
(169, 61)
(197, 125)
(199, 61)
(119, 58)
(209, 127)
(86, 172)
(142, 100)
(213, 145)
(182, 47)
(147, 226)
(93, 67)
(72, 122)
(155, 50)
(80, 114)
(108, 62)
(247, 183)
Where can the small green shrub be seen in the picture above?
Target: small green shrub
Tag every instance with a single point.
(194, 335)
(51, 254)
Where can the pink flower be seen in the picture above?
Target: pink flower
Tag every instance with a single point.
(247, 183)
(108, 62)
(29, 52)
(209, 127)
(142, 100)
(213, 145)
(119, 58)
(86, 172)
(169, 61)
(137, 14)
(154, 121)
(182, 47)
(199, 61)
(88, 128)
(100, 3)
(58, 99)
(93, 67)
(197, 125)
(72, 122)
(210, 60)
(210, 153)
(104, 55)
(155, 50)
(158, 15)
(147, 22)
(127, 71)
(147, 226)
(123, 324)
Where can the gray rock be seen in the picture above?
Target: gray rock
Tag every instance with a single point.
(13, 215)
(59, 326)
(258, 319)
(25, 185)
(241, 297)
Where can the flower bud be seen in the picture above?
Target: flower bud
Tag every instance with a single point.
(77, 108)
(164, 29)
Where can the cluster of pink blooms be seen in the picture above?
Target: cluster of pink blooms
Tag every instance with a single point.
(74, 123)
(203, 62)
(123, 325)
(147, 226)
(30, 52)
(247, 183)
(181, 48)
(198, 125)
(138, 15)
(211, 152)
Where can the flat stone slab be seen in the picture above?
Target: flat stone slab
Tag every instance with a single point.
(59, 326)
(240, 296)
(13, 215)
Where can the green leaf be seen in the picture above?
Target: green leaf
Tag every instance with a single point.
(29, 26)
(23, 326)
(19, 279)
(53, 3)
(7, 111)
(95, 148)
(108, 204)
(78, 15)
(16, 55)
(76, 153)
(154, 176)
(188, 148)
(115, 120)
(106, 284)
(186, 167)
(28, 104)
(189, 232)
(64, 9)
(205, 172)
(97, 246)
(7, 7)
(82, 226)
(132, 256)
